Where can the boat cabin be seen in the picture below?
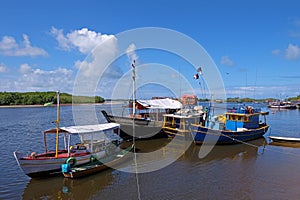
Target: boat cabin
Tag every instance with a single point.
(236, 121)
(179, 123)
(153, 109)
(244, 119)
(93, 138)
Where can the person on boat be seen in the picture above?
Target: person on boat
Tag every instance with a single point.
(33, 155)
(249, 110)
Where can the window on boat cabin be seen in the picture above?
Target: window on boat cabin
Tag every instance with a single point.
(246, 119)
(240, 118)
(232, 117)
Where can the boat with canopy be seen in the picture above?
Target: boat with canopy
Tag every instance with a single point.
(94, 140)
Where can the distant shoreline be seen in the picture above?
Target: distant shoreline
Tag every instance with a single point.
(54, 105)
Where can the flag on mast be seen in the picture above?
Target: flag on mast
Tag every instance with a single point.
(200, 70)
(133, 71)
(196, 76)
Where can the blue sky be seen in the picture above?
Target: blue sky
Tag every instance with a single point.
(255, 44)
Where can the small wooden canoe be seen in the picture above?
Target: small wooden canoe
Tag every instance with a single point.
(99, 165)
(285, 141)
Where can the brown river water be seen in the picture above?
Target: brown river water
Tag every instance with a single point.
(243, 171)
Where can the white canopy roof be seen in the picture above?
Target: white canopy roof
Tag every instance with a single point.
(161, 103)
(85, 128)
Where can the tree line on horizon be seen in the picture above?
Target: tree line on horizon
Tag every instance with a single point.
(247, 100)
(40, 98)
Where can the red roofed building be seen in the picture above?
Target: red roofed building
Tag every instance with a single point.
(189, 99)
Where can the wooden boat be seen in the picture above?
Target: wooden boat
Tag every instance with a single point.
(145, 116)
(48, 104)
(282, 105)
(234, 126)
(148, 119)
(179, 123)
(49, 162)
(96, 166)
(285, 141)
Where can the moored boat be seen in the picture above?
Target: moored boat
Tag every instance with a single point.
(97, 165)
(140, 122)
(179, 123)
(234, 126)
(148, 119)
(48, 104)
(49, 162)
(282, 105)
(285, 141)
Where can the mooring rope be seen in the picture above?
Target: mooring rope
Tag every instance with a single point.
(256, 146)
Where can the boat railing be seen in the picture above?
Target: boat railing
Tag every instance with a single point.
(244, 110)
(179, 123)
(216, 122)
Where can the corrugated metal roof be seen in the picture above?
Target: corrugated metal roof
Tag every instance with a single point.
(85, 128)
(161, 103)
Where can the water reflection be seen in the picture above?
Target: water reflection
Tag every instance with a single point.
(64, 188)
(227, 172)
(230, 152)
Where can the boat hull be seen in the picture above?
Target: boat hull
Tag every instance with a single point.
(285, 141)
(45, 166)
(143, 128)
(99, 165)
(283, 107)
(226, 137)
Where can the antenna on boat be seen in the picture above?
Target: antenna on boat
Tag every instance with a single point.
(57, 124)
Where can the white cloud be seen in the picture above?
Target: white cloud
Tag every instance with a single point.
(225, 60)
(260, 92)
(99, 59)
(295, 34)
(84, 40)
(101, 48)
(61, 39)
(8, 43)
(131, 54)
(9, 47)
(3, 68)
(96, 72)
(25, 68)
(276, 52)
(292, 52)
(99, 71)
(36, 79)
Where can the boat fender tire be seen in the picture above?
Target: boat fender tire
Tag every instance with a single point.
(93, 159)
(71, 161)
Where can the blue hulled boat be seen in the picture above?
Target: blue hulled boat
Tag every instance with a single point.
(236, 125)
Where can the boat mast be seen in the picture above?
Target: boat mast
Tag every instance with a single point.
(134, 98)
(57, 124)
(134, 88)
